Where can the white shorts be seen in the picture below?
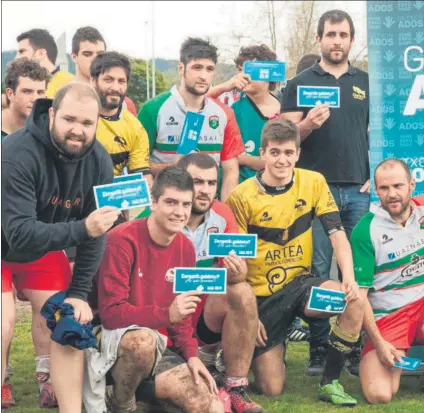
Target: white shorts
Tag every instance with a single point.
(97, 362)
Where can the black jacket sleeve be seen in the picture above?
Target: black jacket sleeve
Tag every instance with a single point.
(22, 230)
(89, 253)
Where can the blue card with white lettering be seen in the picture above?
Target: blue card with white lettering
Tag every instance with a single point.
(310, 96)
(123, 195)
(329, 301)
(190, 133)
(244, 245)
(264, 71)
(204, 280)
(408, 363)
(127, 178)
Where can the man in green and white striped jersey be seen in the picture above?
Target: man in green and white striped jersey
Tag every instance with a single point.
(388, 252)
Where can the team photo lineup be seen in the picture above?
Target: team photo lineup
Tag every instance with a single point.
(171, 253)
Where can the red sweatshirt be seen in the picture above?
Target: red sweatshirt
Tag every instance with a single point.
(135, 285)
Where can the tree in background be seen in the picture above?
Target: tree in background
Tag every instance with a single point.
(137, 88)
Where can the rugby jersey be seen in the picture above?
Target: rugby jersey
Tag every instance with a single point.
(163, 117)
(389, 259)
(126, 141)
(59, 78)
(283, 223)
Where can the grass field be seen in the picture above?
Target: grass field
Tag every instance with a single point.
(299, 395)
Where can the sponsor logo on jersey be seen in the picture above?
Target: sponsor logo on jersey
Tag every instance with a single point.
(170, 275)
(407, 249)
(358, 93)
(415, 268)
(385, 239)
(120, 140)
(171, 138)
(171, 121)
(265, 217)
(212, 230)
(421, 222)
(300, 203)
(249, 146)
(213, 121)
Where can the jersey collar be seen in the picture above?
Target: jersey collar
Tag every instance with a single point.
(180, 101)
(377, 209)
(273, 190)
(318, 69)
(114, 117)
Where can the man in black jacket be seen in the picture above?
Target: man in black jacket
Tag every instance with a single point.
(49, 169)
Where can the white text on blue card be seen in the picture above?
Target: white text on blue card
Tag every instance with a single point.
(243, 245)
(329, 301)
(311, 96)
(203, 280)
(123, 195)
(409, 363)
(190, 134)
(265, 71)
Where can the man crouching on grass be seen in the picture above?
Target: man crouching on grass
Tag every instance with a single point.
(135, 293)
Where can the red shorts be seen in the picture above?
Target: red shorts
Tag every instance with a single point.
(403, 328)
(51, 272)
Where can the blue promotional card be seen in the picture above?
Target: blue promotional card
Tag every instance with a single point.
(264, 71)
(204, 280)
(127, 178)
(409, 363)
(329, 301)
(123, 195)
(244, 245)
(310, 96)
(190, 133)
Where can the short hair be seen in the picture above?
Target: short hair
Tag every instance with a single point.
(256, 52)
(23, 67)
(80, 88)
(105, 61)
(41, 39)
(197, 48)
(335, 16)
(174, 177)
(306, 61)
(86, 34)
(280, 130)
(201, 160)
(389, 164)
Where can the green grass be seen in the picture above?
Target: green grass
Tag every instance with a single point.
(299, 394)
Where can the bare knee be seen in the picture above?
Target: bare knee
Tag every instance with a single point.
(379, 395)
(139, 345)
(241, 297)
(270, 388)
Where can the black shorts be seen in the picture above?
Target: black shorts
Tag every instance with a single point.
(278, 311)
(204, 334)
(145, 391)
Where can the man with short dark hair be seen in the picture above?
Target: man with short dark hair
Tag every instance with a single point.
(119, 131)
(281, 275)
(163, 116)
(49, 169)
(135, 299)
(25, 81)
(335, 144)
(388, 253)
(39, 45)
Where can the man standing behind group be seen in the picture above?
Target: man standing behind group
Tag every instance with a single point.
(25, 82)
(334, 143)
(49, 169)
(163, 117)
(119, 131)
(39, 45)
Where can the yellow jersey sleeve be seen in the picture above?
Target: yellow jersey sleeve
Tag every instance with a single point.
(139, 153)
(240, 209)
(323, 200)
(58, 80)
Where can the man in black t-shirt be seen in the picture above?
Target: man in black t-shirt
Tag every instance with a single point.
(334, 143)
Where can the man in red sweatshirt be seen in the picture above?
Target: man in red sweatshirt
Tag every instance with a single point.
(135, 299)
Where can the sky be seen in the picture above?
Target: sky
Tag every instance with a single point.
(123, 23)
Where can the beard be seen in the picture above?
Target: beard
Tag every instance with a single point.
(405, 205)
(68, 149)
(103, 95)
(327, 56)
(197, 210)
(194, 91)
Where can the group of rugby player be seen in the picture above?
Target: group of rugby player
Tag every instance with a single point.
(62, 135)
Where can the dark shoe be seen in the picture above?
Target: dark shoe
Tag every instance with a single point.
(352, 361)
(317, 359)
(298, 333)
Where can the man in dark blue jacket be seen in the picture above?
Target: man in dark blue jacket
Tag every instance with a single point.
(49, 169)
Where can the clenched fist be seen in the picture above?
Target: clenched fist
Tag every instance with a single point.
(183, 305)
(100, 220)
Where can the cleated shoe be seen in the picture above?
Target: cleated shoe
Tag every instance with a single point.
(7, 399)
(334, 393)
(241, 401)
(352, 361)
(317, 359)
(47, 396)
(298, 333)
(115, 406)
(225, 399)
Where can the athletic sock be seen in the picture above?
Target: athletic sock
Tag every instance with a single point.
(207, 358)
(333, 366)
(231, 382)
